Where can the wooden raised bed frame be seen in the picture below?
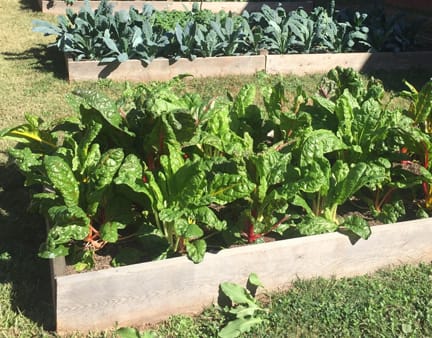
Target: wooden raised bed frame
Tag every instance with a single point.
(59, 6)
(163, 69)
(149, 292)
(295, 64)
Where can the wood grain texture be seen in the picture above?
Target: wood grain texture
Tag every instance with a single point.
(163, 69)
(148, 292)
(58, 7)
(302, 64)
(295, 64)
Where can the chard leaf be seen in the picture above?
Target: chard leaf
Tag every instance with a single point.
(206, 216)
(301, 202)
(196, 250)
(317, 143)
(357, 225)
(192, 231)
(52, 251)
(390, 212)
(109, 231)
(132, 175)
(188, 185)
(325, 103)
(345, 108)
(102, 177)
(64, 215)
(315, 177)
(62, 179)
(172, 214)
(26, 160)
(423, 104)
(226, 188)
(29, 133)
(244, 99)
(90, 134)
(65, 233)
(106, 169)
(316, 225)
(359, 175)
(91, 160)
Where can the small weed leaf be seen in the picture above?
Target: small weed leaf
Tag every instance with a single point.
(237, 294)
(129, 332)
(239, 326)
(244, 308)
(254, 280)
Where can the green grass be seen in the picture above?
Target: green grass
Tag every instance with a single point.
(32, 81)
(392, 303)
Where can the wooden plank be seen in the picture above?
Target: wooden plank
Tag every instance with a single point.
(163, 69)
(296, 64)
(148, 292)
(58, 7)
(302, 64)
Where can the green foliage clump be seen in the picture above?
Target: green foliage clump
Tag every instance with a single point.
(176, 173)
(105, 35)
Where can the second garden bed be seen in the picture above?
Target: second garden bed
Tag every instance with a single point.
(59, 7)
(297, 64)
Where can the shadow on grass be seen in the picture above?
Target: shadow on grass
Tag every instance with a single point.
(30, 4)
(44, 59)
(393, 80)
(20, 236)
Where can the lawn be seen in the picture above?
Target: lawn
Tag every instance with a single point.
(391, 303)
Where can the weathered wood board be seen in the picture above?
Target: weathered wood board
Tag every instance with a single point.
(302, 64)
(58, 7)
(163, 69)
(148, 292)
(295, 64)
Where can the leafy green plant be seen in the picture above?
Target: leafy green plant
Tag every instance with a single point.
(118, 36)
(244, 308)
(173, 173)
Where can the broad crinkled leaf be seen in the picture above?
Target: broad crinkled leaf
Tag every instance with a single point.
(104, 172)
(109, 231)
(132, 175)
(196, 250)
(226, 188)
(65, 233)
(64, 215)
(206, 216)
(317, 143)
(63, 179)
(316, 225)
(357, 225)
(102, 177)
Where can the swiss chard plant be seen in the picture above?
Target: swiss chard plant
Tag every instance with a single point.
(156, 174)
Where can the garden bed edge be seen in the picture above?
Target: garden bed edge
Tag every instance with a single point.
(149, 292)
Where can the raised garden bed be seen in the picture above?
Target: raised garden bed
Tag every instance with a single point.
(149, 292)
(58, 7)
(157, 174)
(163, 69)
(297, 64)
